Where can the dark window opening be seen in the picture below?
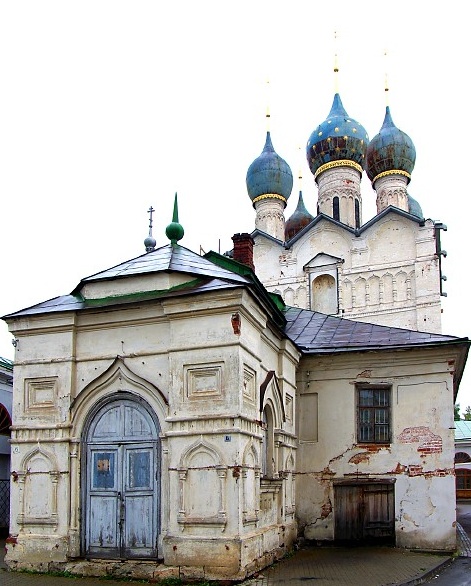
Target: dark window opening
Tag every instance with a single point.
(463, 479)
(336, 209)
(374, 415)
(357, 214)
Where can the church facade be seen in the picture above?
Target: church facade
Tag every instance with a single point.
(193, 417)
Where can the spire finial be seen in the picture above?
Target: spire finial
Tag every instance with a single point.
(386, 84)
(174, 230)
(267, 114)
(149, 242)
(336, 65)
(300, 172)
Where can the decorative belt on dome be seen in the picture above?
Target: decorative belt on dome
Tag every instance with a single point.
(341, 163)
(392, 172)
(269, 196)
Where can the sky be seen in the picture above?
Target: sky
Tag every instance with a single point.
(110, 107)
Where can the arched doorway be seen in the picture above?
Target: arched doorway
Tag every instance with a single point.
(121, 475)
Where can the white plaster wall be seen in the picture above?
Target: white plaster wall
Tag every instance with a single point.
(422, 411)
(389, 274)
(188, 351)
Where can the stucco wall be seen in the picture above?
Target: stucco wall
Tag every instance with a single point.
(419, 458)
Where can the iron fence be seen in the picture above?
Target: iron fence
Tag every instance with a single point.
(4, 504)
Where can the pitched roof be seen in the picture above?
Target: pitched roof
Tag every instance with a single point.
(169, 258)
(317, 333)
(203, 275)
(462, 430)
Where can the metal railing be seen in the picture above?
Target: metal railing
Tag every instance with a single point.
(4, 504)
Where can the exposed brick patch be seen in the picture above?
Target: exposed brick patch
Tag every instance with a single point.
(429, 443)
(415, 470)
(326, 509)
(400, 469)
(359, 458)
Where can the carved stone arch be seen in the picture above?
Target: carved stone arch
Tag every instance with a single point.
(402, 286)
(289, 461)
(373, 290)
(250, 484)
(197, 447)
(201, 466)
(324, 294)
(360, 292)
(346, 290)
(46, 454)
(387, 287)
(38, 478)
(288, 296)
(270, 389)
(250, 450)
(118, 377)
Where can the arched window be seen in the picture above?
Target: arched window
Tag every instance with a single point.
(357, 214)
(336, 209)
(5, 421)
(462, 458)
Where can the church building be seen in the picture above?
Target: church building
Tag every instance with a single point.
(194, 416)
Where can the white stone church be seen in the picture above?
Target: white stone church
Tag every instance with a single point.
(194, 416)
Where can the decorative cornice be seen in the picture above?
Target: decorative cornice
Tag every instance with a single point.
(269, 196)
(392, 172)
(341, 163)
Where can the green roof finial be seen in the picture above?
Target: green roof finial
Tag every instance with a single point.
(174, 231)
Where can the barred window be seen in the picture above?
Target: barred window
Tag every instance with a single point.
(374, 415)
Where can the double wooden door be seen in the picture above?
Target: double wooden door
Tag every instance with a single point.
(122, 488)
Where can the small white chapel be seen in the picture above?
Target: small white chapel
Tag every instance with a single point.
(191, 416)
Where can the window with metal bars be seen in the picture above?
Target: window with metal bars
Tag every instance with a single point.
(374, 415)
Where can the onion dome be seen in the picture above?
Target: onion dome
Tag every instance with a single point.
(298, 219)
(269, 176)
(390, 152)
(150, 244)
(414, 207)
(338, 141)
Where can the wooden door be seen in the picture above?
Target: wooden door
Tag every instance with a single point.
(364, 512)
(122, 492)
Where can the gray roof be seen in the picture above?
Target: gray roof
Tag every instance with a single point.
(317, 333)
(206, 275)
(462, 430)
(167, 258)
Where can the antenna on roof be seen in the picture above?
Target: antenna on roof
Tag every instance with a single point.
(150, 242)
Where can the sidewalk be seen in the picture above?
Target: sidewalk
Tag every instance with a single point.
(326, 566)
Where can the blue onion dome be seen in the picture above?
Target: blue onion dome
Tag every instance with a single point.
(298, 220)
(269, 176)
(338, 141)
(390, 152)
(414, 207)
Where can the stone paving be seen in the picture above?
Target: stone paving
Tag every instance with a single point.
(324, 566)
